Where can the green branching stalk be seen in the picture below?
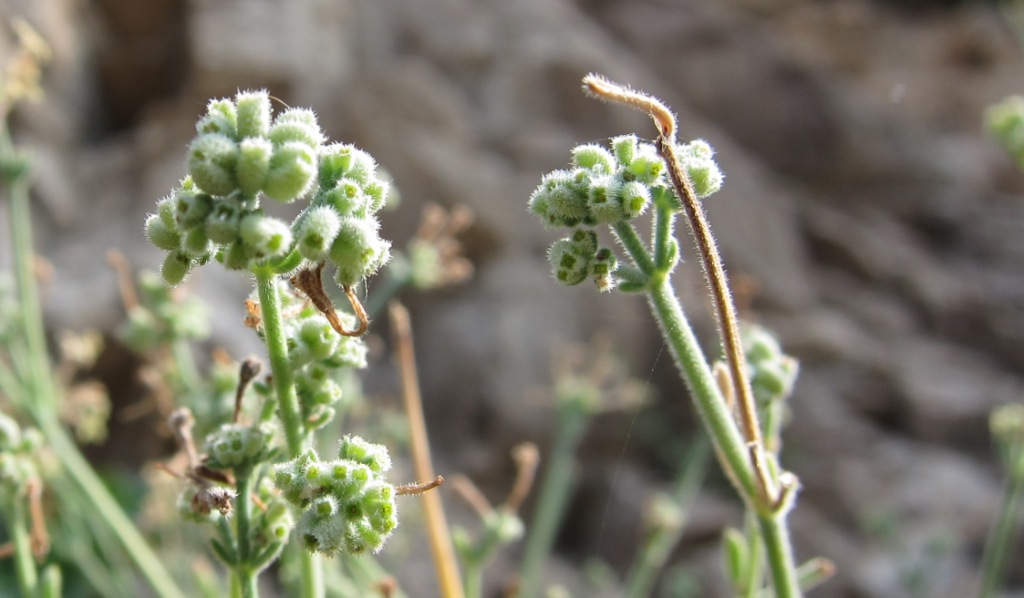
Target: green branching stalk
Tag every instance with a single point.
(243, 519)
(555, 491)
(277, 350)
(694, 369)
(288, 404)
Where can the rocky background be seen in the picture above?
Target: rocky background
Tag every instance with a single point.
(866, 216)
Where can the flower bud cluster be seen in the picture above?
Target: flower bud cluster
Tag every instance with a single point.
(160, 318)
(772, 372)
(237, 446)
(18, 450)
(1007, 425)
(607, 187)
(1006, 122)
(348, 505)
(340, 226)
(611, 186)
(242, 153)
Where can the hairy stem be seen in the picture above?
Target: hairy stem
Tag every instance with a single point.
(724, 307)
(243, 519)
(775, 535)
(697, 375)
(288, 404)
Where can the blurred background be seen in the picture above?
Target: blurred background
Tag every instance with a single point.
(866, 218)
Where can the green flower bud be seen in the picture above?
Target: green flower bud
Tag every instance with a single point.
(697, 159)
(378, 190)
(253, 109)
(236, 256)
(347, 198)
(165, 208)
(318, 336)
(265, 236)
(646, 166)
(593, 157)
(567, 265)
(374, 456)
(235, 445)
(296, 124)
(625, 148)
(254, 154)
(175, 267)
(316, 230)
(602, 269)
(568, 201)
(634, 197)
(211, 163)
(223, 220)
(160, 235)
(292, 171)
(220, 118)
(604, 199)
(196, 244)
(191, 208)
(358, 250)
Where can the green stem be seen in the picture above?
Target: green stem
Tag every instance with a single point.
(656, 551)
(697, 375)
(277, 349)
(1003, 534)
(24, 562)
(288, 404)
(775, 535)
(247, 577)
(104, 506)
(554, 494)
(663, 219)
(473, 579)
(42, 405)
(627, 235)
(29, 306)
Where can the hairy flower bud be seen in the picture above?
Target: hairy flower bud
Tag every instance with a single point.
(211, 163)
(253, 108)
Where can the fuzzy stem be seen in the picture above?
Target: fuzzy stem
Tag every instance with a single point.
(726, 310)
(1004, 529)
(288, 404)
(775, 535)
(697, 375)
(24, 562)
(558, 481)
(277, 349)
(626, 235)
(243, 519)
(445, 563)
